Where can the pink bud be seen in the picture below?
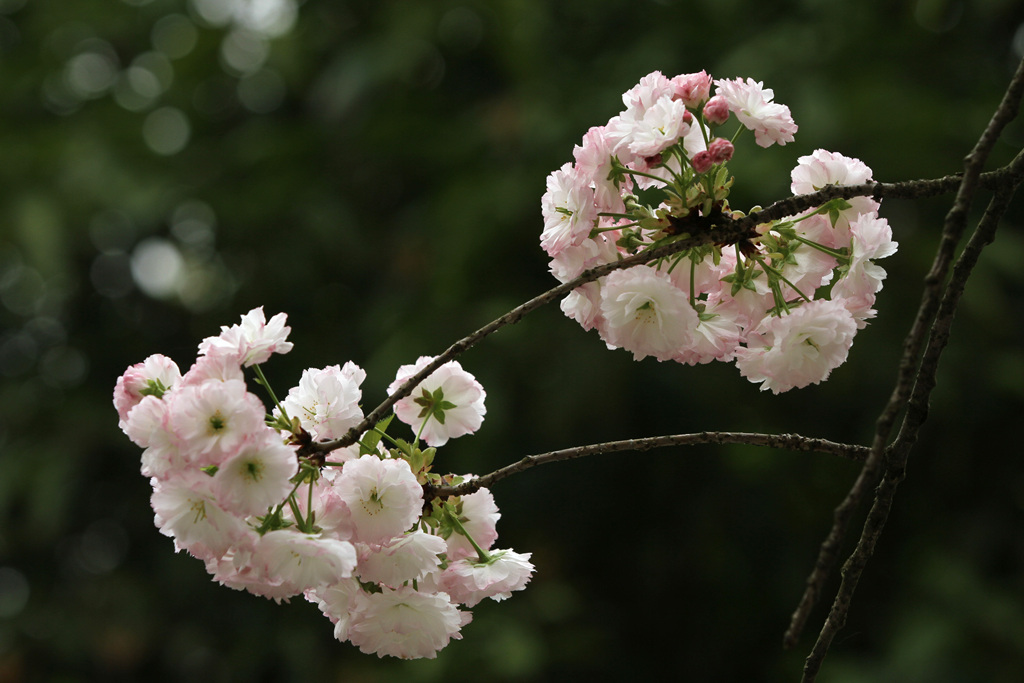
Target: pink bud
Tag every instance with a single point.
(687, 117)
(721, 150)
(716, 111)
(692, 89)
(701, 161)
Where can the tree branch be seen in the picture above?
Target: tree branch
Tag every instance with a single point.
(916, 372)
(723, 230)
(792, 442)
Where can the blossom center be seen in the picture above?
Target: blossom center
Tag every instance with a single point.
(217, 423)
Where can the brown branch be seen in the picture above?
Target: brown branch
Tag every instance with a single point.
(914, 375)
(724, 230)
(792, 442)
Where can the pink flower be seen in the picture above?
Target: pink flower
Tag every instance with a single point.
(594, 164)
(819, 170)
(570, 263)
(692, 89)
(382, 496)
(753, 106)
(660, 127)
(403, 623)
(645, 313)
(469, 582)
(716, 111)
(649, 90)
(151, 377)
(568, 209)
(337, 601)
(800, 348)
(702, 162)
(460, 412)
(871, 238)
(253, 341)
(404, 558)
(187, 511)
(652, 121)
(327, 400)
(583, 305)
(721, 150)
(304, 561)
(212, 419)
(257, 476)
(823, 168)
(218, 364)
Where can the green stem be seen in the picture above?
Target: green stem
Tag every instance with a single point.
(481, 553)
(822, 248)
(300, 521)
(648, 175)
(778, 273)
(261, 379)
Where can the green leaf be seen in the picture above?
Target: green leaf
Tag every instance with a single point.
(371, 439)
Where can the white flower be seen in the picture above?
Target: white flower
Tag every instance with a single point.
(460, 412)
(152, 376)
(189, 514)
(404, 623)
(405, 558)
(753, 106)
(304, 561)
(568, 209)
(257, 476)
(212, 419)
(253, 341)
(337, 601)
(594, 165)
(799, 348)
(149, 426)
(382, 496)
(871, 238)
(645, 313)
(327, 400)
(469, 582)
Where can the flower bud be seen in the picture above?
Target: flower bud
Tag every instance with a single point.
(692, 89)
(721, 150)
(701, 161)
(716, 111)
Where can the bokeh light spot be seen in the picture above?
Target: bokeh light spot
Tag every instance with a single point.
(157, 267)
(14, 592)
(166, 130)
(174, 35)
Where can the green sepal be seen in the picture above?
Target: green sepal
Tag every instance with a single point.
(154, 387)
(433, 404)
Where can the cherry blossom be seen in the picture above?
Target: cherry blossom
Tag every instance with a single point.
(799, 348)
(403, 623)
(459, 411)
(327, 400)
(382, 496)
(253, 340)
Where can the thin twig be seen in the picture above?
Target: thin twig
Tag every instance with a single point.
(792, 442)
(723, 230)
(912, 371)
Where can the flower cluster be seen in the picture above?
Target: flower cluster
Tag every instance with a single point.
(349, 529)
(784, 304)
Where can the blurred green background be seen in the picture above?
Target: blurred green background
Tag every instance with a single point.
(375, 169)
